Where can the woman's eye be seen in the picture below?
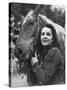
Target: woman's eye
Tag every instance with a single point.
(48, 34)
(43, 33)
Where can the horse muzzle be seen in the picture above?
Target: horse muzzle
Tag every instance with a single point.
(22, 54)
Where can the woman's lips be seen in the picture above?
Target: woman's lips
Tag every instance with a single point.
(45, 40)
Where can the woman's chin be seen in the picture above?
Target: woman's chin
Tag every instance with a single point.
(45, 44)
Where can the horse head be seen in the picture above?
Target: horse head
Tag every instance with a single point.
(24, 44)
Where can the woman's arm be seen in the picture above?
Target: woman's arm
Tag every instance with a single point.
(45, 74)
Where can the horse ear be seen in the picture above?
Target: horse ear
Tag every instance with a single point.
(41, 23)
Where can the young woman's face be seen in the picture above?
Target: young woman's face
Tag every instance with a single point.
(46, 36)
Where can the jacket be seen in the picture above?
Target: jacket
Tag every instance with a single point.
(51, 70)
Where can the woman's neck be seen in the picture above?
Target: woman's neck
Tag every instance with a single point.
(46, 49)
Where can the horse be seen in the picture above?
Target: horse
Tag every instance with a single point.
(26, 42)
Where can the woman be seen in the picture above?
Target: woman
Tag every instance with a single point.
(48, 63)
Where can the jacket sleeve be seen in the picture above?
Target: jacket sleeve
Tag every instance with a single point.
(44, 74)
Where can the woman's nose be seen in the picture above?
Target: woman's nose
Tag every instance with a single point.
(45, 36)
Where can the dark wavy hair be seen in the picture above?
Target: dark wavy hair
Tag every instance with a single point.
(55, 43)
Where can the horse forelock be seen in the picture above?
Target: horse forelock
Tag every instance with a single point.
(29, 16)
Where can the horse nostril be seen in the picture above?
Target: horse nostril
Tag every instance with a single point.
(19, 51)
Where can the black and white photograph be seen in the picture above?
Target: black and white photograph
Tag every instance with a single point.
(36, 44)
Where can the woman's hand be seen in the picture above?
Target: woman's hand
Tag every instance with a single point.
(34, 59)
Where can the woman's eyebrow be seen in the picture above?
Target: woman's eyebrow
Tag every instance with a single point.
(43, 32)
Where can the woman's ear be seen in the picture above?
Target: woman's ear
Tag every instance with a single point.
(52, 40)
